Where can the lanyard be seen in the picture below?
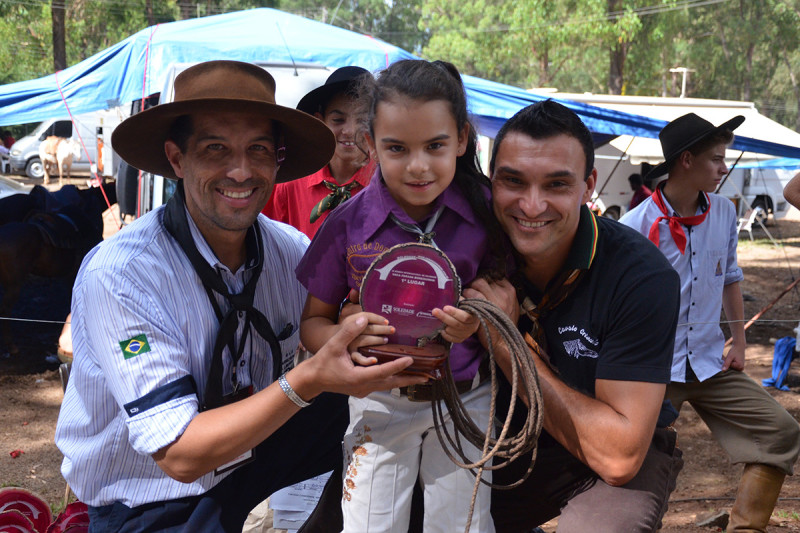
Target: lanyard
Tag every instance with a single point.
(426, 236)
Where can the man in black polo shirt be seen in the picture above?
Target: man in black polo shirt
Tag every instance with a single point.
(606, 302)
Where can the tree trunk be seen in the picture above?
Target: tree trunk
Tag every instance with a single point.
(617, 55)
(148, 10)
(57, 10)
(795, 86)
(544, 68)
(616, 68)
(748, 71)
(188, 9)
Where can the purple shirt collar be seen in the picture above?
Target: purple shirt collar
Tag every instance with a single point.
(381, 203)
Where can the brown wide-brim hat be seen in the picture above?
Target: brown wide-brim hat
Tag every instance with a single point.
(683, 133)
(225, 86)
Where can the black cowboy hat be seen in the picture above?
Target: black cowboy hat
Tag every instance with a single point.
(683, 133)
(225, 86)
(340, 80)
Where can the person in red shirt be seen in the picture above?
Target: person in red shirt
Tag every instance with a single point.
(7, 139)
(640, 190)
(305, 203)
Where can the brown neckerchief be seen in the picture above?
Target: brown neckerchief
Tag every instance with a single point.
(557, 291)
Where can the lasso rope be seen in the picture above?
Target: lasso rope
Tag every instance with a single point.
(505, 446)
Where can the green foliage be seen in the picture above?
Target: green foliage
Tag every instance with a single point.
(91, 26)
(394, 22)
(26, 35)
(792, 515)
(735, 49)
(525, 43)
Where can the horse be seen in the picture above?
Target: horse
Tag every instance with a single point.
(48, 244)
(58, 152)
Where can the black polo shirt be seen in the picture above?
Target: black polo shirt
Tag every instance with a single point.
(619, 322)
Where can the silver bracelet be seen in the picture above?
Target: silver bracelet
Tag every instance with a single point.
(291, 394)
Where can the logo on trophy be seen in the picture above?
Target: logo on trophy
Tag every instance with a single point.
(404, 285)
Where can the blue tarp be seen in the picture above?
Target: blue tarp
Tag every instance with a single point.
(493, 103)
(266, 35)
(117, 75)
(787, 163)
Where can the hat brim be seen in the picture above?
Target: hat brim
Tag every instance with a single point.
(663, 168)
(139, 140)
(316, 99)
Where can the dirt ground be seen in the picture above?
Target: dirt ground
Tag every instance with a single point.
(31, 394)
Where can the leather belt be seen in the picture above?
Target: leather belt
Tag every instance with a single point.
(427, 392)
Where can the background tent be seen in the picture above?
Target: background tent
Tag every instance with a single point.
(138, 66)
(756, 136)
(117, 75)
(786, 163)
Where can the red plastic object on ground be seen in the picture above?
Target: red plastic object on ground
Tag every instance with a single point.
(15, 522)
(27, 503)
(74, 519)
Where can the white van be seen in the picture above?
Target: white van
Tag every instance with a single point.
(24, 154)
(292, 82)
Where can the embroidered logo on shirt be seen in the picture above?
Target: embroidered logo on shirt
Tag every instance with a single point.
(360, 256)
(134, 346)
(719, 268)
(575, 348)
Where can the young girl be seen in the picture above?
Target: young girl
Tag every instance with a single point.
(427, 177)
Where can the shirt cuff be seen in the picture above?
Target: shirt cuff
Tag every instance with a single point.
(160, 426)
(733, 276)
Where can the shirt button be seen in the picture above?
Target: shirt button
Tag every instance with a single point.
(241, 363)
(692, 303)
(241, 313)
(690, 328)
(690, 353)
(695, 279)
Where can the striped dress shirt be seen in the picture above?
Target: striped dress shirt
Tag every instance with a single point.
(143, 333)
(707, 265)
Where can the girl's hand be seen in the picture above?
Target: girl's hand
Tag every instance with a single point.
(351, 306)
(375, 333)
(459, 324)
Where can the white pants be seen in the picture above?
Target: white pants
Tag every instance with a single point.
(390, 442)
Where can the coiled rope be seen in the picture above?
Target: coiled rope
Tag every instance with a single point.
(508, 447)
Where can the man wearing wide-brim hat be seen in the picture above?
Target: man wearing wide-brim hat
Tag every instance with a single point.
(305, 203)
(696, 230)
(184, 408)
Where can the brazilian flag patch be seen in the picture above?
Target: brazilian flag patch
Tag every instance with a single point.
(134, 346)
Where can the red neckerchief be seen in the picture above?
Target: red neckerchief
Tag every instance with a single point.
(675, 223)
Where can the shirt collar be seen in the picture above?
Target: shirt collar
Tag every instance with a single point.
(209, 255)
(361, 176)
(584, 246)
(380, 203)
(702, 201)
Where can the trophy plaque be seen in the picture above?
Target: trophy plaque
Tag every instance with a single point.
(404, 285)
